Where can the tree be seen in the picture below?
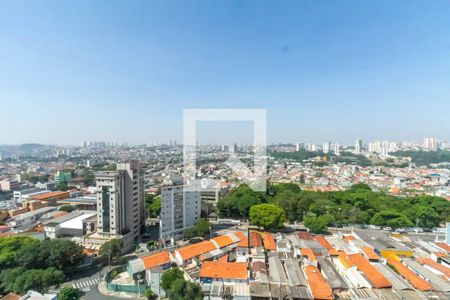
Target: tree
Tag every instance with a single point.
(9, 246)
(391, 218)
(37, 279)
(111, 249)
(316, 224)
(67, 208)
(155, 207)
(268, 216)
(152, 245)
(289, 201)
(184, 290)
(61, 253)
(149, 294)
(62, 186)
(152, 205)
(68, 293)
(427, 217)
(201, 229)
(169, 277)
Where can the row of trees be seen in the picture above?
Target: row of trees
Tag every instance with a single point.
(425, 157)
(358, 205)
(27, 263)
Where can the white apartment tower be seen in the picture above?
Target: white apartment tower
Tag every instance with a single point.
(120, 203)
(430, 143)
(337, 150)
(299, 146)
(180, 209)
(326, 147)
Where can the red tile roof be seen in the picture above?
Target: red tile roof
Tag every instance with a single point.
(318, 285)
(195, 250)
(269, 242)
(243, 243)
(322, 241)
(348, 238)
(376, 278)
(431, 263)
(369, 253)
(308, 253)
(416, 281)
(217, 269)
(444, 247)
(255, 239)
(303, 235)
(222, 241)
(155, 260)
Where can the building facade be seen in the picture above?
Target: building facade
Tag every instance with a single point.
(180, 209)
(120, 203)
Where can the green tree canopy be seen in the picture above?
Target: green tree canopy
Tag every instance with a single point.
(169, 277)
(317, 224)
(268, 216)
(68, 293)
(184, 290)
(111, 249)
(67, 208)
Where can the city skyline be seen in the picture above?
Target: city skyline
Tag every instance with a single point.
(91, 71)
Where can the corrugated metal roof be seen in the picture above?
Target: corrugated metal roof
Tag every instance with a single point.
(435, 280)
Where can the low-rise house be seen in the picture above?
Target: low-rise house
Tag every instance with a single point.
(225, 272)
(319, 287)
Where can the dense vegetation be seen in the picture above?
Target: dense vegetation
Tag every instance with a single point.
(152, 205)
(27, 263)
(177, 288)
(358, 205)
(422, 158)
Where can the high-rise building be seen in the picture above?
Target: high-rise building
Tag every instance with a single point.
(358, 146)
(120, 203)
(337, 150)
(326, 147)
(430, 143)
(180, 209)
(299, 146)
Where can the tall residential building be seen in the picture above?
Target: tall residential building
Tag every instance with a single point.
(120, 196)
(326, 147)
(299, 146)
(358, 146)
(430, 143)
(180, 209)
(337, 150)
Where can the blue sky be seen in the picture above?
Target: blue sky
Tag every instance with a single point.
(124, 70)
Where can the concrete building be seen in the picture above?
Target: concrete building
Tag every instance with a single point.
(9, 185)
(358, 146)
(120, 204)
(326, 147)
(180, 209)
